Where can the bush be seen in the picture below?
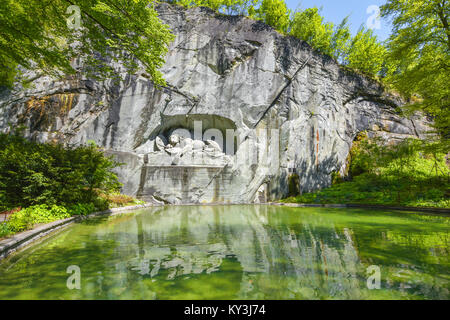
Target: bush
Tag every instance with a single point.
(82, 209)
(411, 173)
(336, 178)
(27, 218)
(32, 173)
(53, 182)
(434, 194)
(5, 229)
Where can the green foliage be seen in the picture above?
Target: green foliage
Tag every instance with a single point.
(240, 7)
(82, 209)
(340, 41)
(365, 53)
(419, 48)
(36, 36)
(336, 178)
(33, 173)
(5, 229)
(213, 4)
(309, 26)
(27, 218)
(231, 7)
(115, 199)
(362, 52)
(365, 155)
(7, 71)
(411, 173)
(54, 182)
(293, 184)
(275, 13)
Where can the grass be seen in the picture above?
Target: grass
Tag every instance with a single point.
(366, 189)
(409, 174)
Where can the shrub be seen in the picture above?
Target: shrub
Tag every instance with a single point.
(32, 173)
(411, 173)
(53, 182)
(293, 185)
(5, 229)
(434, 194)
(27, 218)
(82, 209)
(115, 199)
(336, 178)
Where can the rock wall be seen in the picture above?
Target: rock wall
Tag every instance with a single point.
(278, 106)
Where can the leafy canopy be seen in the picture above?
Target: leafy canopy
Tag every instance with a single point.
(309, 26)
(275, 13)
(419, 48)
(340, 41)
(362, 52)
(410, 173)
(35, 35)
(365, 53)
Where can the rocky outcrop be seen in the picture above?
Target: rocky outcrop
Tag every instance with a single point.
(244, 108)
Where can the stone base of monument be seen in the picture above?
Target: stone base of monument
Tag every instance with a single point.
(185, 184)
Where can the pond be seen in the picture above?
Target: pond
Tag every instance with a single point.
(238, 252)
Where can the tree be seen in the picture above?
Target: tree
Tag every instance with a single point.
(309, 26)
(365, 53)
(37, 35)
(239, 7)
(419, 46)
(33, 173)
(229, 7)
(275, 13)
(213, 4)
(340, 41)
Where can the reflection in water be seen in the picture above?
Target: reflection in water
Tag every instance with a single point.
(243, 252)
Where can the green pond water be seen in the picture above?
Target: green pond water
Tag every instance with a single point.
(238, 252)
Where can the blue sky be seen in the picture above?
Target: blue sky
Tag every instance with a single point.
(336, 10)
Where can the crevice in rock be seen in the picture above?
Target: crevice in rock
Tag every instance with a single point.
(282, 91)
(189, 97)
(364, 96)
(202, 191)
(415, 129)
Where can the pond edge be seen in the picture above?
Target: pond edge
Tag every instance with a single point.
(366, 206)
(22, 239)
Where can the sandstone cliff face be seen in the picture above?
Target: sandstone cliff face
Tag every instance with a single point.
(290, 108)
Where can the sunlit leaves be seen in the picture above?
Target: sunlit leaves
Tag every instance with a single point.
(309, 26)
(420, 48)
(340, 41)
(275, 13)
(365, 53)
(34, 34)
